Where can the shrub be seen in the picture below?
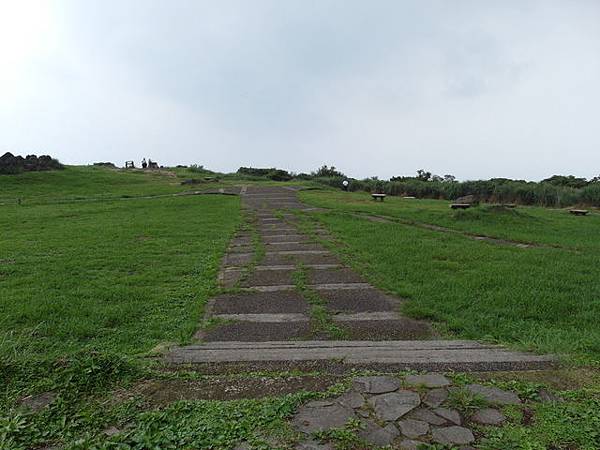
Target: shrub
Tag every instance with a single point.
(10, 164)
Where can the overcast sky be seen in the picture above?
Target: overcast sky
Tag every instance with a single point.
(477, 89)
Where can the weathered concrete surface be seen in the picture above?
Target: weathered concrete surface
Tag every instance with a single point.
(290, 246)
(357, 300)
(269, 278)
(256, 331)
(260, 303)
(317, 277)
(393, 355)
(380, 330)
(305, 258)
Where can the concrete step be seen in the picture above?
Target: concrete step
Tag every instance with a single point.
(433, 355)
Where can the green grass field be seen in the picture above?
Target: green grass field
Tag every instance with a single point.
(115, 275)
(94, 276)
(544, 299)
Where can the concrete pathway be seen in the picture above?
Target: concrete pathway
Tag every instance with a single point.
(293, 303)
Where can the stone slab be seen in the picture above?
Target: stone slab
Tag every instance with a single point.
(242, 240)
(260, 303)
(488, 416)
(393, 405)
(358, 300)
(241, 249)
(289, 317)
(257, 331)
(320, 258)
(379, 355)
(291, 246)
(276, 231)
(237, 259)
(376, 384)
(321, 416)
(230, 278)
(269, 278)
(452, 435)
(285, 238)
(494, 395)
(376, 330)
(333, 276)
(365, 316)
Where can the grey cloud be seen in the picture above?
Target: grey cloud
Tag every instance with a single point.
(478, 89)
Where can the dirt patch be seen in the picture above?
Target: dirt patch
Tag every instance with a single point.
(163, 392)
(428, 226)
(560, 379)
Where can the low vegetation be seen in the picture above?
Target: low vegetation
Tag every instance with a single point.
(101, 268)
(542, 298)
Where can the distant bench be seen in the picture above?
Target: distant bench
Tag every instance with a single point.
(460, 205)
(579, 212)
(378, 197)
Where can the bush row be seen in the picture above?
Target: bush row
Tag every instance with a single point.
(493, 191)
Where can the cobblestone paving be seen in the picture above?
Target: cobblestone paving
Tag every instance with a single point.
(402, 413)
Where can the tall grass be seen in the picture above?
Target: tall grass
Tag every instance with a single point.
(495, 190)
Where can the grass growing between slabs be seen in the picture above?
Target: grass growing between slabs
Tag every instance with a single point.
(541, 299)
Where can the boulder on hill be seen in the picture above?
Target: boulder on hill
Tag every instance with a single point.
(467, 200)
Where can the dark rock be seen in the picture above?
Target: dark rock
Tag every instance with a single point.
(430, 380)
(413, 428)
(467, 200)
(409, 444)
(351, 400)
(452, 435)
(435, 397)
(376, 385)
(548, 397)
(321, 416)
(111, 431)
(378, 436)
(426, 415)
(394, 405)
(494, 395)
(313, 445)
(488, 416)
(35, 403)
(451, 415)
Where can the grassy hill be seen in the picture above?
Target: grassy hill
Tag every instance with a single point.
(110, 275)
(99, 267)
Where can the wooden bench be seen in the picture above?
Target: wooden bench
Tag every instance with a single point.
(378, 197)
(460, 205)
(579, 212)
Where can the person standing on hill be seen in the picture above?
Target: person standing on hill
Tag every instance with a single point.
(144, 164)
